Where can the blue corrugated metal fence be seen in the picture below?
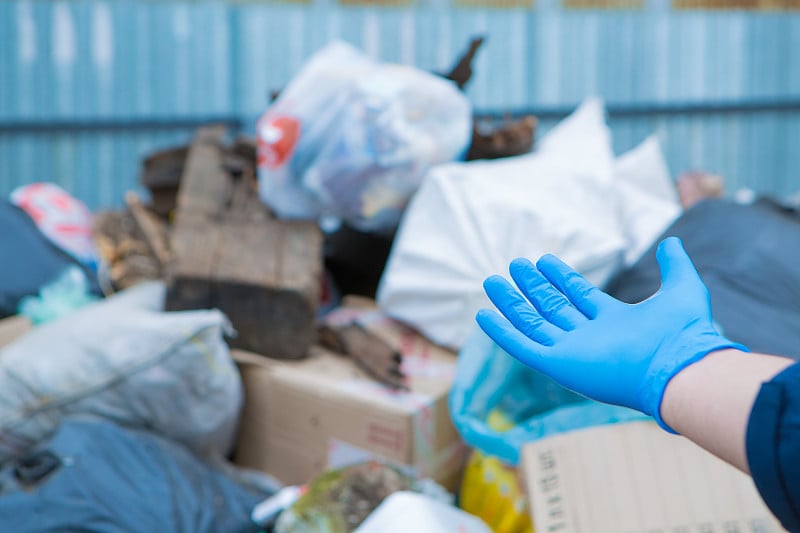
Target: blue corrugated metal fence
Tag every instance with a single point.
(136, 65)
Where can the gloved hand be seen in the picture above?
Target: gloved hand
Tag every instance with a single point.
(596, 345)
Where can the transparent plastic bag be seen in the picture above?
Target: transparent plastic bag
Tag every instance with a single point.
(351, 139)
(488, 379)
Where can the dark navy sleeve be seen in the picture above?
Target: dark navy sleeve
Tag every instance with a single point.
(773, 446)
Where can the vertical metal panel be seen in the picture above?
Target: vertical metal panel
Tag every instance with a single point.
(110, 60)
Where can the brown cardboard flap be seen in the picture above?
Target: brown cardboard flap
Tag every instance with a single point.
(635, 478)
(324, 370)
(12, 328)
(301, 417)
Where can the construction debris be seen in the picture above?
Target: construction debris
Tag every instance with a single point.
(462, 70)
(153, 229)
(371, 353)
(228, 252)
(507, 139)
(127, 258)
(161, 174)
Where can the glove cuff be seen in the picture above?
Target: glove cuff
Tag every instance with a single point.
(659, 376)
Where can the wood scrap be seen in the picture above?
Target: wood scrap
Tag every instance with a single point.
(151, 226)
(164, 167)
(229, 253)
(161, 175)
(127, 260)
(371, 353)
(162, 171)
(507, 139)
(205, 185)
(461, 73)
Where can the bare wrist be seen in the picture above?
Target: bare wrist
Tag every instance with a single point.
(710, 400)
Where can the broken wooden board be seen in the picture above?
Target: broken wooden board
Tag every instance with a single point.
(205, 185)
(370, 352)
(122, 247)
(229, 253)
(152, 227)
(264, 276)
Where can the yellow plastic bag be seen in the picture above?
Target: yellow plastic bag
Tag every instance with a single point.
(493, 490)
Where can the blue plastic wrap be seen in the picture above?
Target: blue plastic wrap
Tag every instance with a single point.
(487, 378)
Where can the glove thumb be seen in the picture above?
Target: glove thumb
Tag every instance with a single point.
(676, 267)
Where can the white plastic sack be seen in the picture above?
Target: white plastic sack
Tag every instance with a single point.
(647, 197)
(405, 511)
(351, 138)
(121, 360)
(470, 220)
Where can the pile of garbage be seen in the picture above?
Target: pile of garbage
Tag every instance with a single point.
(277, 334)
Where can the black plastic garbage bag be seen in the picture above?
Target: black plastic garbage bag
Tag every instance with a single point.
(95, 476)
(28, 260)
(749, 258)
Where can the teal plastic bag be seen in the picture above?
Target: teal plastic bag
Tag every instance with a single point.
(69, 292)
(487, 378)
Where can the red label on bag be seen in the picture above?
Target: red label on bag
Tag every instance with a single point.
(277, 137)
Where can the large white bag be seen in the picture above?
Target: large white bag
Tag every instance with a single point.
(124, 361)
(470, 220)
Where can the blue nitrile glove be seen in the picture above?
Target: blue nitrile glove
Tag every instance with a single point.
(596, 345)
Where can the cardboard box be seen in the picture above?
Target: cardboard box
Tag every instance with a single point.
(13, 327)
(635, 478)
(303, 417)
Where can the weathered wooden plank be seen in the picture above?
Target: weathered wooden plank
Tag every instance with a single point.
(271, 321)
(230, 253)
(152, 227)
(369, 351)
(248, 253)
(195, 243)
(205, 185)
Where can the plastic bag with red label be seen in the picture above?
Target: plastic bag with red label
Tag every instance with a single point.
(350, 139)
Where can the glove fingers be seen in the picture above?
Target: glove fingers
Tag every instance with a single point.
(510, 339)
(550, 303)
(519, 311)
(587, 298)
